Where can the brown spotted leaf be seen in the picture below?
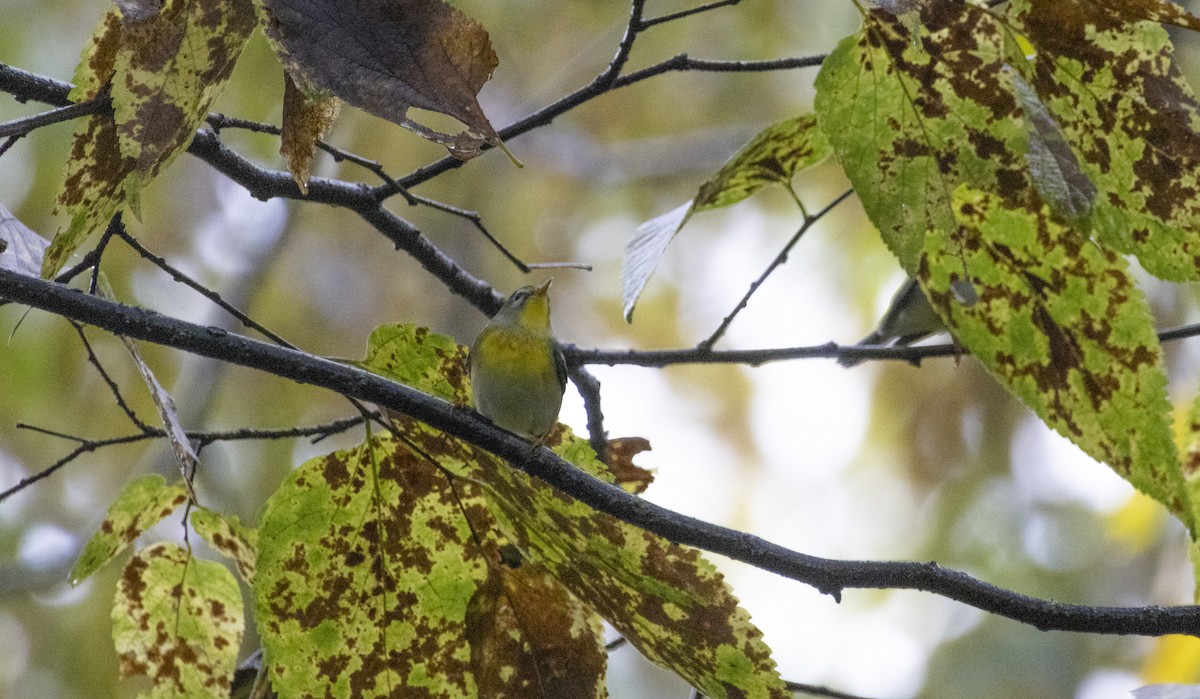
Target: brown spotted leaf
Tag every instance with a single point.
(143, 503)
(1060, 323)
(666, 599)
(227, 535)
(306, 120)
(178, 621)
(531, 638)
(913, 113)
(385, 56)
(365, 568)
(163, 70)
(917, 112)
(1105, 71)
(1162, 11)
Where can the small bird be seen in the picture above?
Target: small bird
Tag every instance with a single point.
(909, 318)
(518, 373)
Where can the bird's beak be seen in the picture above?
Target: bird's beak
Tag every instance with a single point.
(544, 288)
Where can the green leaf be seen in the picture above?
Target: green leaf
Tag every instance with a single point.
(413, 356)
(1106, 72)
(929, 125)
(666, 599)
(143, 503)
(163, 70)
(1060, 323)
(227, 535)
(774, 156)
(910, 116)
(178, 621)
(365, 569)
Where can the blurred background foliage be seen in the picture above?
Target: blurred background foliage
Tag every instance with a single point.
(886, 461)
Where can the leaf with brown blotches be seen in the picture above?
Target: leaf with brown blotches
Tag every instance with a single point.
(178, 621)
(227, 535)
(385, 56)
(666, 599)
(163, 68)
(975, 179)
(1106, 72)
(143, 503)
(306, 120)
(531, 638)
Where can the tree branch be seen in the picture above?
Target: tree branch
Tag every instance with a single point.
(828, 576)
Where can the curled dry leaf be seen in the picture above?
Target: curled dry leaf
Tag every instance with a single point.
(306, 120)
(385, 56)
(629, 476)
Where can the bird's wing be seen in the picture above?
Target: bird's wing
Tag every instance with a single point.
(560, 367)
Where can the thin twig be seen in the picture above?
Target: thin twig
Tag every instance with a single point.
(662, 19)
(112, 385)
(809, 222)
(8, 144)
(602, 85)
(317, 432)
(51, 433)
(199, 288)
(757, 357)
(74, 454)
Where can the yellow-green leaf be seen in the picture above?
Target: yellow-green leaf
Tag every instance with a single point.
(413, 356)
(163, 70)
(919, 112)
(1106, 72)
(227, 534)
(665, 599)
(774, 156)
(178, 621)
(143, 503)
(911, 116)
(366, 565)
(1061, 324)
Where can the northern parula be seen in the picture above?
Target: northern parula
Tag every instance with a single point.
(518, 373)
(908, 319)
